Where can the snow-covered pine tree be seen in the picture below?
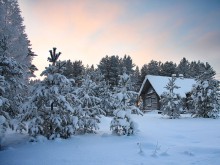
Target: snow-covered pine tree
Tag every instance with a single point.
(144, 72)
(12, 74)
(12, 28)
(168, 68)
(78, 71)
(106, 98)
(184, 67)
(127, 62)
(90, 70)
(114, 63)
(74, 70)
(171, 103)
(110, 68)
(198, 68)
(88, 109)
(154, 67)
(122, 123)
(136, 79)
(68, 71)
(5, 119)
(205, 95)
(48, 111)
(104, 93)
(16, 55)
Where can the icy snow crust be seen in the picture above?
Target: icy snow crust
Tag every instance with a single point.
(159, 83)
(160, 141)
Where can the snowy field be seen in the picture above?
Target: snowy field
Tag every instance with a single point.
(182, 141)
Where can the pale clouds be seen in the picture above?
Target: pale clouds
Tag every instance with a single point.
(89, 30)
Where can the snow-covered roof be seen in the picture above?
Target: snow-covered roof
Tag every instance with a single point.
(159, 83)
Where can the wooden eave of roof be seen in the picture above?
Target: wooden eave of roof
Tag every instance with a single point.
(146, 86)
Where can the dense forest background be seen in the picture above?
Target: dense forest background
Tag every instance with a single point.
(112, 66)
(71, 97)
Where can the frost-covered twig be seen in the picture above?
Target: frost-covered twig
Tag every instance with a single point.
(165, 153)
(155, 152)
(140, 147)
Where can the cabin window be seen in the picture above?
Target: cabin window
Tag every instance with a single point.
(148, 101)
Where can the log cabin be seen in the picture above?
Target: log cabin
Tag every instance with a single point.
(153, 87)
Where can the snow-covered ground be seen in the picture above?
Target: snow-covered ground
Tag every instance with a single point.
(163, 141)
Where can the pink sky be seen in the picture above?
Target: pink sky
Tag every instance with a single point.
(88, 30)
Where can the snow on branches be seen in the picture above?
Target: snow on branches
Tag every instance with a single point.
(205, 96)
(88, 108)
(49, 110)
(170, 101)
(122, 123)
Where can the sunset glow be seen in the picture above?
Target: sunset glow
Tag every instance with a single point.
(88, 30)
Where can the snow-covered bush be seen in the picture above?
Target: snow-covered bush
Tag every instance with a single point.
(171, 103)
(122, 123)
(88, 109)
(49, 110)
(204, 98)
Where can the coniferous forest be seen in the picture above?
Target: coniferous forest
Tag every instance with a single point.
(104, 113)
(72, 97)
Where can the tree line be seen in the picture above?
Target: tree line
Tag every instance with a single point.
(72, 97)
(112, 66)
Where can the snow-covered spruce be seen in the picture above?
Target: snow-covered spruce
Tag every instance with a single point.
(103, 92)
(48, 110)
(15, 60)
(11, 76)
(106, 98)
(5, 118)
(171, 103)
(122, 123)
(13, 30)
(88, 109)
(205, 95)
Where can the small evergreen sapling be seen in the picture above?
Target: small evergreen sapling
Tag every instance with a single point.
(122, 123)
(205, 95)
(170, 101)
(49, 111)
(88, 109)
(104, 93)
(106, 98)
